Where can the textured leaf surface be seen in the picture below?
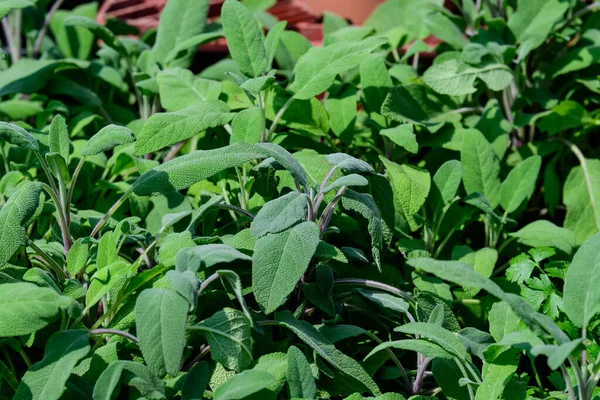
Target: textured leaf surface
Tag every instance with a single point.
(410, 185)
(244, 384)
(244, 38)
(440, 336)
(299, 375)
(581, 195)
(280, 260)
(14, 218)
(107, 139)
(317, 69)
(182, 172)
(481, 166)
(18, 136)
(520, 183)
(46, 379)
(545, 233)
(58, 139)
(26, 308)
(581, 297)
(179, 88)
(164, 129)
(309, 335)
(228, 334)
(207, 255)
(98, 30)
(160, 317)
(427, 348)
(280, 214)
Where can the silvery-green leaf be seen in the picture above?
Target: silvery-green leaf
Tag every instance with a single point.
(107, 139)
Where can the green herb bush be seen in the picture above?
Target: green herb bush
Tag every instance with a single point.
(301, 222)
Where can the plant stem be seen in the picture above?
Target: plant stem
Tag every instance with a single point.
(4, 158)
(237, 209)
(376, 285)
(72, 189)
(261, 107)
(62, 222)
(103, 331)
(46, 171)
(110, 212)
(464, 372)
(421, 368)
(40, 37)
(207, 282)
(568, 382)
(278, 117)
(57, 269)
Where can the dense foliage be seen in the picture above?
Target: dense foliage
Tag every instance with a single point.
(296, 221)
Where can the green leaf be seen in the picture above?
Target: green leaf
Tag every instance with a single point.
(182, 48)
(483, 262)
(182, 172)
(205, 256)
(503, 320)
(440, 336)
(558, 355)
(411, 104)
(299, 375)
(375, 81)
(18, 136)
(244, 38)
(286, 160)
(445, 184)
(364, 204)
(341, 107)
(442, 27)
(179, 21)
(403, 136)
(520, 183)
(102, 32)
(455, 78)
(576, 60)
(462, 274)
(273, 40)
(73, 41)
(309, 335)
(107, 139)
(497, 374)
(58, 139)
(7, 5)
(46, 379)
(481, 166)
(545, 233)
(247, 126)
(129, 373)
(280, 214)
(410, 185)
(16, 214)
(533, 22)
(228, 334)
(565, 115)
(160, 319)
(581, 195)
(385, 300)
(422, 346)
(104, 280)
(244, 384)
(581, 295)
(179, 88)
(58, 166)
(186, 284)
(29, 75)
(349, 164)
(447, 375)
(347, 180)
(164, 129)
(77, 257)
(26, 308)
(196, 381)
(280, 260)
(316, 70)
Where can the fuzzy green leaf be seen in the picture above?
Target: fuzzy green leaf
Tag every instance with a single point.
(410, 185)
(18, 136)
(29, 75)
(228, 334)
(280, 214)
(164, 129)
(422, 346)
(316, 70)
(179, 88)
(375, 81)
(247, 126)
(286, 160)
(107, 139)
(179, 21)
(160, 319)
(445, 184)
(309, 335)
(299, 375)
(440, 336)
(100, 31)
(520, 183)
(481, 166)
(104, 280)
(15, 216)
(26, 308)
(244, 384)
(581, 297)
(58, 138)
(205, 256)
(183, 172)
(46, 379)
(244, 38)
(403, 136)
(280, 260)
(347, 180)
(196, 381)
(581, 195)
(545, 233)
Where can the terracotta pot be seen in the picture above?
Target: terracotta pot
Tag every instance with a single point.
(356, 11)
